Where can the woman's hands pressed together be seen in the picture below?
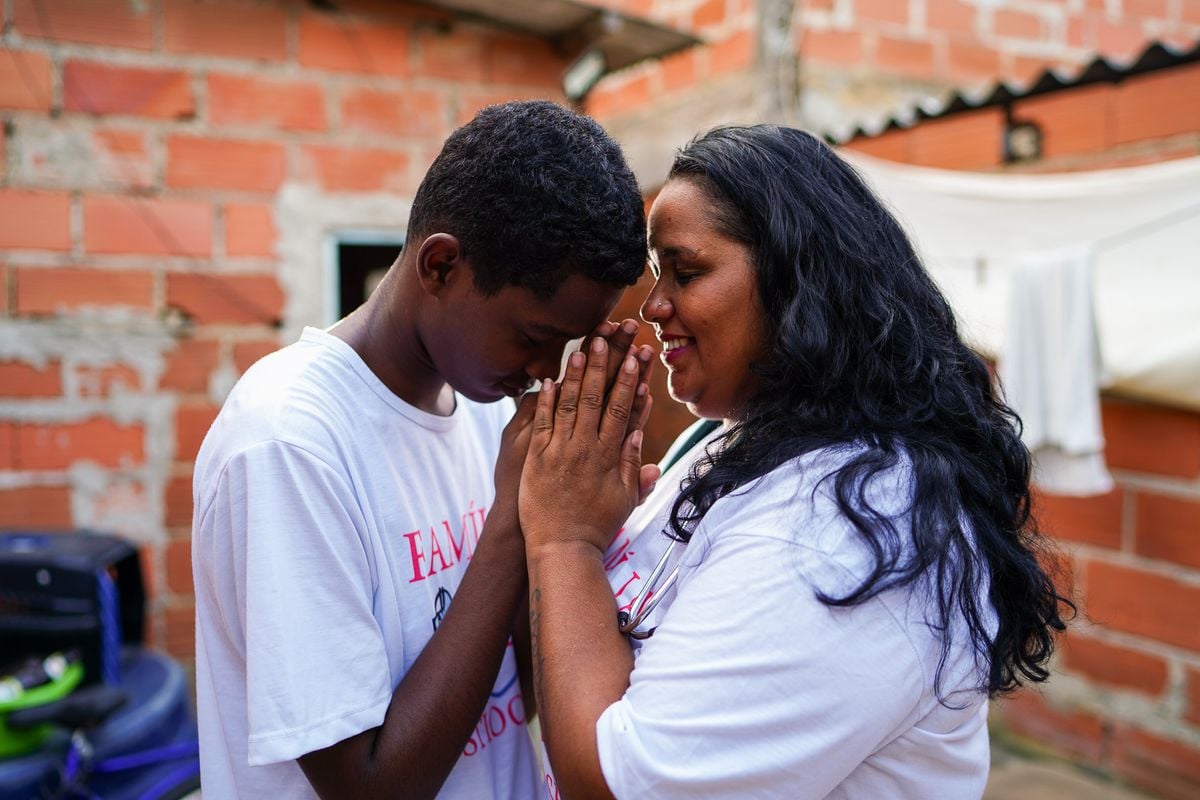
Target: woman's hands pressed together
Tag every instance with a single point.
(583, 471)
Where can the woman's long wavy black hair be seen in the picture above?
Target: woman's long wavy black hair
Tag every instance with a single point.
(865, 351)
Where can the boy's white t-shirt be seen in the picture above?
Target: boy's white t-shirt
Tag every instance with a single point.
(751, 687)
(333, 523)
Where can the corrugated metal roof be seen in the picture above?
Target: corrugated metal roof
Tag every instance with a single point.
(1156, 57)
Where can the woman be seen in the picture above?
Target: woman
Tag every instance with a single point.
(849, 566)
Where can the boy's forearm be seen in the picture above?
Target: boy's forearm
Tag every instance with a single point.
(439, 701)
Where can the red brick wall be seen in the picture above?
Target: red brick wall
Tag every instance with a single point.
(939, 42)
(142, 149)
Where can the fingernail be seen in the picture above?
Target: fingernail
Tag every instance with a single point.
(642, 389)
(576, 359)
(636, 438)
(629, 326)
(546, 384)
(630, 364)
(597, 345)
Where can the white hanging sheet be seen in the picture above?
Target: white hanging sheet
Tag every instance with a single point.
(1141, 223)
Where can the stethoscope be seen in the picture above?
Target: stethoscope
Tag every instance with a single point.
(648, 598)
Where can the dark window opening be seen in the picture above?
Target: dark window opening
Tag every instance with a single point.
(360, 269)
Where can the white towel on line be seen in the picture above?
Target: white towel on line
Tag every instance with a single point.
(1050, 369)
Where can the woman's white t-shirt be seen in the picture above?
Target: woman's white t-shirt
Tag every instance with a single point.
(751, 687)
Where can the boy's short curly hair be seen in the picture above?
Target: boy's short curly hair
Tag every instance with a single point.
(534, 193)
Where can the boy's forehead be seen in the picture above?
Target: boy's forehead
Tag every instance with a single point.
(574, 310)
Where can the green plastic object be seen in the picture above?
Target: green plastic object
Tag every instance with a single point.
(20, 742)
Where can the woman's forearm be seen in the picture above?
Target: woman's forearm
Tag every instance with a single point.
(581, 663)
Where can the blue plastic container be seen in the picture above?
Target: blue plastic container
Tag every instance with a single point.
(157, 715)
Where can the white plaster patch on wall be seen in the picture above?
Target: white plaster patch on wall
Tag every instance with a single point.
(304, 217)
(72, 154)
(222, 379)
(90, 340)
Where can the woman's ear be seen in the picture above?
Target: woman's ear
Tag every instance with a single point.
(439, 262)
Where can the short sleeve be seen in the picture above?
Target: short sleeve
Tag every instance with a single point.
(751, 687)
(316, 665)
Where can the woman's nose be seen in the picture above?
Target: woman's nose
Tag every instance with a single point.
(656, 307)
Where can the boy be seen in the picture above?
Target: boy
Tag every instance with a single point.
(344, 495)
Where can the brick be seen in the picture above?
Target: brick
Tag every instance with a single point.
(124, 24)
(1158, 105)
(844, 48)
(51, 291)
(1143, 603)
(21, 379)
(1113, 665)
(525, 61)
(356, 169)
(1169, 768)
(732, 54)
(904, 56)
(178, 497)
(8, 446)
(103, 89)
(199, 162)
(192, 422)
(180, 637)
(471, 102)
(1092, 520)
(970, 140)
(1072, 122)
(967, 61)
(177, 560)
(122, 158)
(118, 224)
(951, 16)
(1017, 24)
(452, 54)
(190, 365)
(35, 220)
(218, 28)
(1150, 438)
(1192, 712)
(894, 11)
(1146, 8)
(621, 97)
(345, 45)
(892, 145)
(1028, 713)
(1119, 39)
(36, 508)
(679, 70)
(1168, 528)
(412, 112)
(246, 353)
(239, 299)
(3, 289)
(107, 379)
(253, 100)
(250, 230)
(25, 80)
(710, 14)
(56, 447)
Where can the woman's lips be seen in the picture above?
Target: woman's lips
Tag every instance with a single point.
(675, 347)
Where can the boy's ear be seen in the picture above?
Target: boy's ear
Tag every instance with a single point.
(440, 261)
